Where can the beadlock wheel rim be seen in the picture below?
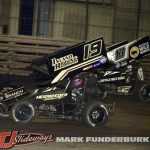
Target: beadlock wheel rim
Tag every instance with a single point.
(97, 115)
(23, 112)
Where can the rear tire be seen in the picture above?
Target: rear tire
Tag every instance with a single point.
(23, 112)
(142, 91)
(95, 114)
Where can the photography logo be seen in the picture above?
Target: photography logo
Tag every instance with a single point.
(11, 139)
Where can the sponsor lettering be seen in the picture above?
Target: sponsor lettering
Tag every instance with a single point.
(112, 79)
(52, 96)
(144, 48)
(63, 62)
(14, 94)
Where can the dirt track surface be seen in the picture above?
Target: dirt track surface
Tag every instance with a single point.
(131, 118)
(86, 146)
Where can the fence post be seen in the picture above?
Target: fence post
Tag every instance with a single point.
(86, 19)
(138, 18)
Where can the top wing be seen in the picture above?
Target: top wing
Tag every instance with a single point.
(71, 61)
(123, 54)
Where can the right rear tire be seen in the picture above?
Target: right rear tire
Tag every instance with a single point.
(95, 114)
(142, 91)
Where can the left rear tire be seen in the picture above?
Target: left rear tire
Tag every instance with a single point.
(23, 112)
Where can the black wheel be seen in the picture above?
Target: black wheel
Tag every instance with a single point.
(23, 112)
(3, 111)
(142, 91)
(95, 114)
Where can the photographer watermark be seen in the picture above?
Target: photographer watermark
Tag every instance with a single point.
(104, 139)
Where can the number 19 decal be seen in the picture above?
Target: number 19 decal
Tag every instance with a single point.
(93, 49)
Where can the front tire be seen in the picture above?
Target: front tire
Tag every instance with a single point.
(95, 114)
(23, 112)
(3, 111)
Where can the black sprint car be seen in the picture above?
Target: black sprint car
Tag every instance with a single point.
(71, 99)
(66, 91)
(126, 76)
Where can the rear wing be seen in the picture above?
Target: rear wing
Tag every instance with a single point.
(124, 53)
(70, 61)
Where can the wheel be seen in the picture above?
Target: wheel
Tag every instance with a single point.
(95, 114)
(142, 91)
(3, 111)
(23, 112)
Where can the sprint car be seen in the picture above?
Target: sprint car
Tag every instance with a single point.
(65, 90)
(126, 76)
(71, 99)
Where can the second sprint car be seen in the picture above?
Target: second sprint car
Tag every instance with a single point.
(126, 76)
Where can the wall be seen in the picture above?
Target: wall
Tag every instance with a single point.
(100, 22)
(115, 20)
(14, 15)
(4, 16)
(69, 20)
(144, 23)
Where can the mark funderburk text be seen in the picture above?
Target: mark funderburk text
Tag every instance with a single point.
(104, 139)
